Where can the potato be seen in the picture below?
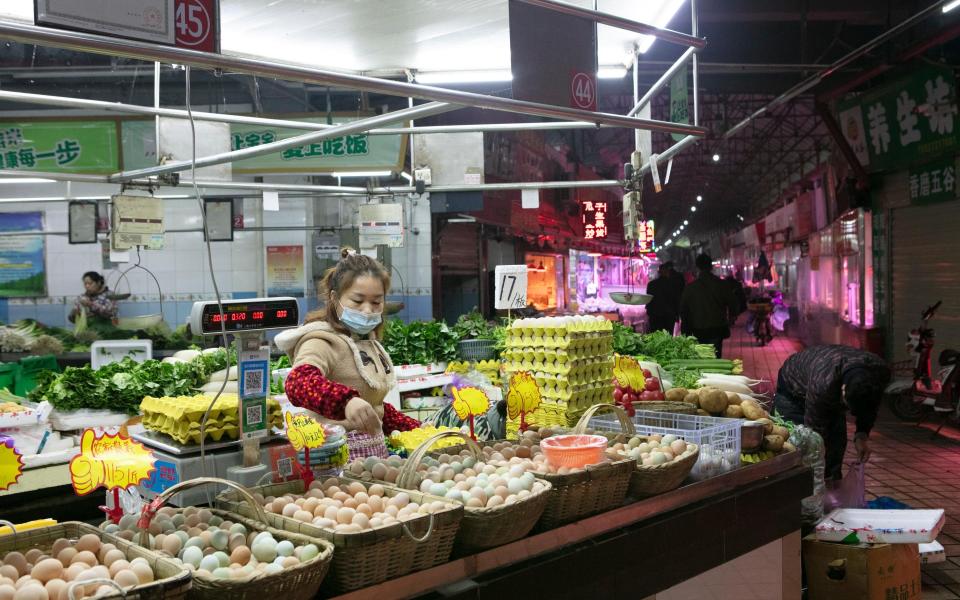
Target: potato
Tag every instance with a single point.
(703, 413)
(774, 443)
(767, 425)
(734, 399)
(676, 394)
(713, 400)
(733, 412)
(752, 410)
(788, 447)
(781, 431)
(692, 398)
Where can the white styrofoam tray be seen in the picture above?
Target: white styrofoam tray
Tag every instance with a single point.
(932, 553)
(862, 525)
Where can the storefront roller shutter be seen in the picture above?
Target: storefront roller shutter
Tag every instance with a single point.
(925, 268)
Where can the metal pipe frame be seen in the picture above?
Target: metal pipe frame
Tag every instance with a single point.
(32, 34)
(667, 35)
(82, 103)
(662, 81)
(359, 126)
(816, 78)
(695, 62)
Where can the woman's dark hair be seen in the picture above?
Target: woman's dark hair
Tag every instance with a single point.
(704, 262)
(338, 280)
(94, 277)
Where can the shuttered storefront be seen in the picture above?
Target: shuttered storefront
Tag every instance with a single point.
(925, 250)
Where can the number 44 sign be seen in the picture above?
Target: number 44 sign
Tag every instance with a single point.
(510, 288)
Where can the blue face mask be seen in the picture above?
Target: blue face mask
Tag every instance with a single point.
(357, 321)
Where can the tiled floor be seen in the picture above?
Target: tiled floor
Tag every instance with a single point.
(907, 464)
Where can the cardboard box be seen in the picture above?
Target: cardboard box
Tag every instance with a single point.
(861, 572)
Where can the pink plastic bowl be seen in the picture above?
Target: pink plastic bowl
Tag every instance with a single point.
(573, 451)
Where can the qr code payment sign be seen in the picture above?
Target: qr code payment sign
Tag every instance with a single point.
(254, 415)
(253, 379)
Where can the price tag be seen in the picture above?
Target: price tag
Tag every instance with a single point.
(304, 432)
(111, 461)
(11, 464)
(524, 395)
(628, 373)
(510, 287)
(470, 402)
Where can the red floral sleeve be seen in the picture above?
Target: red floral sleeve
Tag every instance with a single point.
(306, 387)
(394, 420)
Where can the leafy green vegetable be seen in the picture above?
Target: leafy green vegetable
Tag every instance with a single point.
(664, 348)
(626, 341)
(277, 386)
(686, 378)
(473, 326)
(419, 342)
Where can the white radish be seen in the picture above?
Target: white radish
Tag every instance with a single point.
(186, 355)
(725, 385)
(214, 386)
(229, 375)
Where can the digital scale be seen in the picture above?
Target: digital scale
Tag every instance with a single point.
(243, 460)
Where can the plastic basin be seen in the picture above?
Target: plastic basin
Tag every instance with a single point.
(573, 451)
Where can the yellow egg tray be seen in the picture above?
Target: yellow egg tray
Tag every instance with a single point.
(564, 343)
(180, 417)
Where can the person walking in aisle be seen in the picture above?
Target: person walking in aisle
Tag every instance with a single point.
(706, 306)
(664, 308)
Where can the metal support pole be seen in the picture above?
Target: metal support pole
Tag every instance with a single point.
(667, 35)
(86, 42)
(636, 93)
(359, 126)
(156, 105)
(83, 103)
(662, 81)
(695, 62)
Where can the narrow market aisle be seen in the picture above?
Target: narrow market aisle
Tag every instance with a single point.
(760, 362)
(909, 466)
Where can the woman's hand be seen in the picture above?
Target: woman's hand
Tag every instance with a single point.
(362, 417)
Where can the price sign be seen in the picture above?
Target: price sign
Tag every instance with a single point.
(304, 432)
(523, 397)
(197, 25)
(583, 91)
(111, 461)
(469, 402)
(628, 372)
(11, 464)
(646, 233)
(510, 286)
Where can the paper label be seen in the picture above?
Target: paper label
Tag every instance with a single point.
(510, 286)
(111, 461)
(524, 395)
(11, 464)
(469, 401)
(304, 432)
(628, 373)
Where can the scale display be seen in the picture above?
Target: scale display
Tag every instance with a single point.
(255, 314)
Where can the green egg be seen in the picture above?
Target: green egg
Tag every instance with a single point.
(220, 539)
(273, 568)
(223, 573)
(285, 548)
(183, 535)
(238, 528)
(129, 522)
(309, 552)
(194, 542)
(370, 462)
(178, 520)
(223, 558)
(112, 528)
(215, 521)
(210, 563)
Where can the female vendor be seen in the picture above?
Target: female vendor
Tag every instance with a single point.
(95, 299)
(340, 370)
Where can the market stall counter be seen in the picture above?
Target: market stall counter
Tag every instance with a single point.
(639, 550)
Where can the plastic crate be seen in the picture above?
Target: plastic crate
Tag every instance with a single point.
(718, 438)
(8, 375)
(476, 349)
(30, 367)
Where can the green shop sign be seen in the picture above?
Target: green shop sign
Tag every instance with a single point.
(60, 146)
(360, 152)
(933, 182)
(906, 122)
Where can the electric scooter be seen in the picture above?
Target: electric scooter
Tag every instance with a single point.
(913, 399)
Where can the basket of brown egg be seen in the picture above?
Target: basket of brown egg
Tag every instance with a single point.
(229, 555)
(577, 492)
(76, 560)
(379, 531)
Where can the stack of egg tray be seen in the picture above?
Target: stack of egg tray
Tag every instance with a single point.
(573, 369)
(180, 417)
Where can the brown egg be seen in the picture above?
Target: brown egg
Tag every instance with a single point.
(33, 555)
(172, 545)
(392, 474)
(89, 542)
(192, 520)
(194, 531)
(241, 555)
(7, 592)
(302, 515)
(85, 557)
(355, 488)
(18, 562)
(31, 592)
(310, 505)
(375, 490)
(236, 540)
(204, 515)
(118, 566)
(74, 570)
(289, 562)
(56, 589)
(351, 503)
(155, 528)
(114, 555)
(126, 578)
(66, 555)
(126, 534)
(143, 571)
(206, 536)
(10, 572)
(24, 581)
(47, 569)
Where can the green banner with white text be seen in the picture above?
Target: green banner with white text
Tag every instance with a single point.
(67, 146)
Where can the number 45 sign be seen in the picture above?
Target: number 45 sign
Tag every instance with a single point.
(197, 24)
(510, 286)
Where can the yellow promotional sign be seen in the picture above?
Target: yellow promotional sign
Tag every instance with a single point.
(111, 461)
(304, 432)
(11, 464)
(469, 402)
(628, 372)
(524, 395)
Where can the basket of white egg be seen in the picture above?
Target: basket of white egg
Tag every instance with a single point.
(44, 563)
(501, 503)
(379, 531)
(229, 555)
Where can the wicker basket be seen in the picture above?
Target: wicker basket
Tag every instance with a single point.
(295, 583)
(576, 495)
(482, 528)
(476, 349)
(172, 582)
(650, 480)
(370, 557)
(671, 407)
